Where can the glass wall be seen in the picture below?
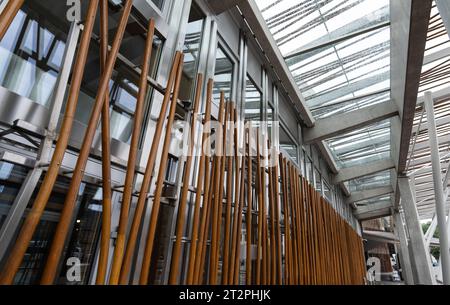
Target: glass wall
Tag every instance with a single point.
(124, 81)
(253, 101)
(191, 50)
(223, 75)
(288, 145)
(32, 49)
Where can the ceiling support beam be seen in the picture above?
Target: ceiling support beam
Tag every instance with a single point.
(354, 172)
(409, 26)
(369, 194)
(342, 123)
(373, 211)
(220, 6)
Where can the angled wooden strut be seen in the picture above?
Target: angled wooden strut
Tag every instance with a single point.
(31, 221)
(174, 268)
(240, 199)
(217, 200)
(106, 154)
(7, 16)
(202, 187)
(261, 202)
(248, 261)
(229, 185)
(131, 164)
(146, 262)
(145, 186)
(62, 228)
(235, 231)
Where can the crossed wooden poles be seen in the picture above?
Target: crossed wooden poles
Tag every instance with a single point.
(292, 235)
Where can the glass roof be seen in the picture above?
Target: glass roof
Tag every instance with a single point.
(338, 52)
(435, 77)
(368, 144)
(370, 181)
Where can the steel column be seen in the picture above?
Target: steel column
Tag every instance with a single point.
(420, 254)
(404, 251)
(439, 192)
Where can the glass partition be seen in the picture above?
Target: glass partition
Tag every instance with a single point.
(223, 75)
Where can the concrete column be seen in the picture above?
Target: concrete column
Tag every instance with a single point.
(404, 251)
(438, 190)
(420, 254)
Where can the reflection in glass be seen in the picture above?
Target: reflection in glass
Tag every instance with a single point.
(11, 178)
(30, 57)
(288, 145)
(253, 102)
(223, 76)
(82, 242)
(85, 234)
(191, 51)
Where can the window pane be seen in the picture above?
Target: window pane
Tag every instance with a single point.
(31, 52)
(223, 76)
(191, 50)
(288, 145)
(253, 103)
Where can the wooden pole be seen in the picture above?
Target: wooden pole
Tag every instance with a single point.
(72, 194)
(221, 191)
(204, 226)
(273, 250)
(8, 14)
(146, 262)
(216, 193)
(235, 230)
(278, 219)
(202, 176)
(248, 263)
(143, 193)
(237, 263)
(229, 158)
(207, 189)
(261, 216)
(265, 254)
(32, 220)
(174, 268)
(106, 154)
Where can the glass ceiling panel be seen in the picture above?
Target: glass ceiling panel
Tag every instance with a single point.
(338, 52)
(370, 181)
(436, 67)
(379, 199)
(365, 145)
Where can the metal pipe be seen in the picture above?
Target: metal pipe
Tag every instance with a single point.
(174, 268)
(7, 16)
(125, 262)
(197, 246)
(439, 193)
(146, 262)
(106, 154)
(62, 228)
(32, 220)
